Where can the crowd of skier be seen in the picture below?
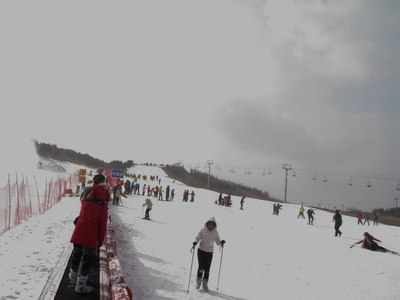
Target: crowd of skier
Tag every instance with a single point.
(90, 225)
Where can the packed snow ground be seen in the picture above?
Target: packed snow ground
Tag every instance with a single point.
(265, 256)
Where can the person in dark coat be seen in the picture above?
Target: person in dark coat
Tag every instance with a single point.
(192, 196)
(310, 214)
(220, 199)
(242, 202)
(375, 219)
(337, 218)
(167, 192)
(89, 232)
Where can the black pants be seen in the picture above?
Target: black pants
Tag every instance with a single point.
(378, 248)
(147, 216)
(205, 259)
(87, 255)
(337, 231)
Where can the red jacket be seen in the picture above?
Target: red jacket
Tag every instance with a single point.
(90, 229)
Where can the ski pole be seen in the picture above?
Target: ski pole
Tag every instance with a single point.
(191, 266)
(220, 264)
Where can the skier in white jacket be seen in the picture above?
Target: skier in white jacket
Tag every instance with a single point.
(207, 236)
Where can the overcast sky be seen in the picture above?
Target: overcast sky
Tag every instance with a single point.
(247, 84)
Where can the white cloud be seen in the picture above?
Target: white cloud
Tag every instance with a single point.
(154, 80)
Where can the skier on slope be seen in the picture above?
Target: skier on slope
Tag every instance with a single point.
(370, 243)
(337, 218)
(149, 207)
(301, 212)
(310, 214)
(207, 236)
(242, 202)
(89, 233)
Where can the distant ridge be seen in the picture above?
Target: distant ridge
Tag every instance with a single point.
(199, 180)
(51, 151)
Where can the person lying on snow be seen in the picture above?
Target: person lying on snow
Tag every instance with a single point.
(370, 243)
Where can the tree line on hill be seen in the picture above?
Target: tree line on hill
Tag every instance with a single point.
(199, 179)
(51, 151)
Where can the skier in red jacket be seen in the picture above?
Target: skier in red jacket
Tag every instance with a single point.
(89, 233)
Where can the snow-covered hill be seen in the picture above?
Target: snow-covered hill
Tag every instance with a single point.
(265, 256)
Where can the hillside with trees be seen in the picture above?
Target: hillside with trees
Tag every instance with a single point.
(51, 151)
(199, 180)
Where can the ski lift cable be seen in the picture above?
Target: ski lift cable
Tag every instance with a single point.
(345, 174)
(316, 172)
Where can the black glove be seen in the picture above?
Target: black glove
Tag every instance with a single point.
(222, 243)
(194, 244)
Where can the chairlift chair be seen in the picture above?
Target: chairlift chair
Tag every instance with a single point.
(350, 183)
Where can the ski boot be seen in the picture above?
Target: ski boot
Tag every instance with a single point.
(73, 276)
(81, 287)
(205, 285)
(198, 283)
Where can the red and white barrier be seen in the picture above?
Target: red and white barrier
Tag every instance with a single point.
(118, 288)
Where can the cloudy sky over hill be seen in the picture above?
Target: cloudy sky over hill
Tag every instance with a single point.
(244, 83)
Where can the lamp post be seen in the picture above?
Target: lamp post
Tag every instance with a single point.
(286, 167)
(209, 163)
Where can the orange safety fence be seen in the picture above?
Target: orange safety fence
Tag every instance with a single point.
(21, 199)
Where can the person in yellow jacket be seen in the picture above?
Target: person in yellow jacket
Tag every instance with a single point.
(301, 212)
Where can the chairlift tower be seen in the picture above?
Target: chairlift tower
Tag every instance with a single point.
(287, 168)
(209, 163)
